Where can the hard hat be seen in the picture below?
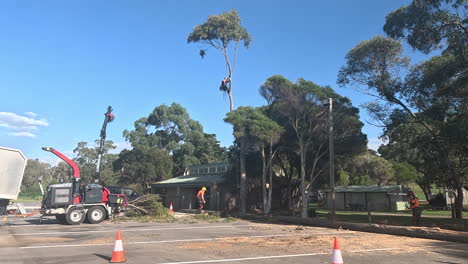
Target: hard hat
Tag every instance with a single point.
(203, 188)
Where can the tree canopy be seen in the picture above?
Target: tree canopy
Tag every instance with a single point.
(170, 128)
(144, 165)
(223, 32)
(423, 107)
(299, 108)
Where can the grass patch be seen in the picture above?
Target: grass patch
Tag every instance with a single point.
(397, 218)
(29, 197)
(207, 217)
(230, 219)
(146, 219)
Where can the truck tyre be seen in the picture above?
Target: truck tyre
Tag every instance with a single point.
(61, 218)
(96, 215)
(75, 216)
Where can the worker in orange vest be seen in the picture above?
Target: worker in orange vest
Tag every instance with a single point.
(201, 198)
(414, 205)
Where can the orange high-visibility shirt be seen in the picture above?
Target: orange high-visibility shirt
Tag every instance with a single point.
(201, 193)
(414, 202)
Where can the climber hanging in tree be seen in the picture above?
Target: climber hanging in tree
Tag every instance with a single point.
(224, 83)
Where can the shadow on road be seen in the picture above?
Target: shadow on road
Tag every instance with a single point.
(103, 257)
(455, 251)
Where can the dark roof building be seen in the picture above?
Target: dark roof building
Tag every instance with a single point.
(181, 191)
(379, 198)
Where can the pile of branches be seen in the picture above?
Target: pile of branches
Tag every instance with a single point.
(147, 205)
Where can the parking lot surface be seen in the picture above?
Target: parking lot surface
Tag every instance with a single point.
(27, 241)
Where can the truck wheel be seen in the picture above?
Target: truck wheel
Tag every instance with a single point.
(96, 215)
(75, 216)
(62, 219)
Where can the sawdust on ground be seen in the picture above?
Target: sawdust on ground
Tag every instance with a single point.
(301, 239)
(99, 240)
(27, 240)
(7, 241)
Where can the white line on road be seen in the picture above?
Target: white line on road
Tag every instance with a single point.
(175, 241)
(129, 230)
(278, 256)
(244, 259)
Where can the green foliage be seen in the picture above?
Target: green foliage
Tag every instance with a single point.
(154, 205)
(362, 180)
(343, 178)
(426, 25)
(144, 165)
(301, 152)
(373, 63)
(29, 196)
(219, 30)
(425, 111)
(299, 109)
(368, 169)
(171, 129)
(86, 159)
(400, 219)
(207, 217)
(404, 172)
(251, 123)
(34, 171)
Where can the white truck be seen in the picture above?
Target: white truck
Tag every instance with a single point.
(12, 165)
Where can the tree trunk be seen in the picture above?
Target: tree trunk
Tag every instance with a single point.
(303, 185)
(231, 99)
(289, 193)
(243, 178)
(264, 197)
(426, 188)
(459, 203)
(270, 172)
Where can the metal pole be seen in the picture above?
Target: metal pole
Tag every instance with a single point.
(332, 159)
(107, 118)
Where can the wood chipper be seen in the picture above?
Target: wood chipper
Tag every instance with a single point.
(74, 202)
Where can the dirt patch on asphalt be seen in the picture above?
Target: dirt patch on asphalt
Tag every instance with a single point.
(32, 240)
(311, 243)
(100, 240)
(7, 241)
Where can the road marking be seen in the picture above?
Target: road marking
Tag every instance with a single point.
(129, 230)
(251, 258)
(272, 257)
(177, 240)
(278, 256)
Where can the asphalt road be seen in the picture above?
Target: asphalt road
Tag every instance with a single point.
(27, 241)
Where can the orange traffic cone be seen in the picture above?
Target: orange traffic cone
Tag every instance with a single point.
(118, 254)
(171, 209)
(337, 258)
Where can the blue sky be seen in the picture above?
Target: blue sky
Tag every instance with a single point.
(64, 62)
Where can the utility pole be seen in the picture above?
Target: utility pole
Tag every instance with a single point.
(332, 159)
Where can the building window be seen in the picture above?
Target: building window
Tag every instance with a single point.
(212, 169)
(194, 171)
